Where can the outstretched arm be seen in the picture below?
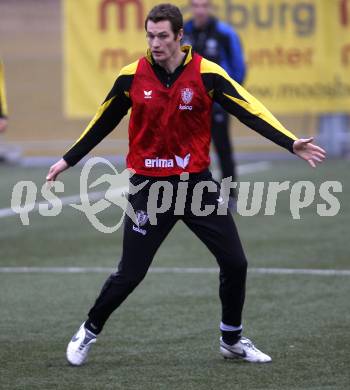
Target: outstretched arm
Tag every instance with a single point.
(56, 169)
(3, 101)
(240, 103)
(305, 149)
(108, 116)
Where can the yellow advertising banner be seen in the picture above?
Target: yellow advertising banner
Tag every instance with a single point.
(297, 52)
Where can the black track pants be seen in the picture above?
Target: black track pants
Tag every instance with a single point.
(217, 232)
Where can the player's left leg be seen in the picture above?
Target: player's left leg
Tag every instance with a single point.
(219, 234)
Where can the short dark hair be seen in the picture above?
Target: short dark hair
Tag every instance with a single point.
(169, 12)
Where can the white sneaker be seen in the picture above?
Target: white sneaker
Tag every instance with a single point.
(78, 347)
(243, 349)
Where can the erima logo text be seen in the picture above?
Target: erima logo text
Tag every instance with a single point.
(159, 163)
(147, 94)
(167, 163)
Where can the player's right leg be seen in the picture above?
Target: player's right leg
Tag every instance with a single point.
(140, 244)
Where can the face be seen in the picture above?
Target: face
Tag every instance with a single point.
(162, 40)
(201, 11)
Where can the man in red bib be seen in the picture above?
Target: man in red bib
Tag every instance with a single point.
(170, 92)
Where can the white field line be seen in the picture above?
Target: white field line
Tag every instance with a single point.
(94, 196)
(174, 270)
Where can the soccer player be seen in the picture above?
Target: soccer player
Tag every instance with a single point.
(3, 102)
(218, 42)
(170, 92)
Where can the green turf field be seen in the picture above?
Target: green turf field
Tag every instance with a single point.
(165, 336)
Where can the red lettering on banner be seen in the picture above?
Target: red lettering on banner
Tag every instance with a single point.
(120, 7)
(115, 58)
(345, 55)
(344, 12)
(279, 55)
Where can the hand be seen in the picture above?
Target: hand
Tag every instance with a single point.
(305, 149)
(56, 169)
(3, 124)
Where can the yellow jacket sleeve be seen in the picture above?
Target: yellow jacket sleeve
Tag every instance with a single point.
(3, 102)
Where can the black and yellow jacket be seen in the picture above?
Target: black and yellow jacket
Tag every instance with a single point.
(219, 86)
(3, 102)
